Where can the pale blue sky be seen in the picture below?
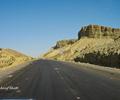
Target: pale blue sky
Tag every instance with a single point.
(33, 26)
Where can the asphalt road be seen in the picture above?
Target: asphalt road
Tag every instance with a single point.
(53, 80)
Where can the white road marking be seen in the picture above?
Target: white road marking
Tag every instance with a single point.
(18, 91)
(78, 98)
(56, 68)
(10, 76)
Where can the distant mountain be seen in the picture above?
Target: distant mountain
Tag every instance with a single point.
(10, 57)
(95, 44)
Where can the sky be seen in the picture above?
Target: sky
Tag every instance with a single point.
(33, 26)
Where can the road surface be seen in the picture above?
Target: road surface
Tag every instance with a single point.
(54, 80)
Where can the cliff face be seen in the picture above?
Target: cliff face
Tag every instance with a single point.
(96, 31)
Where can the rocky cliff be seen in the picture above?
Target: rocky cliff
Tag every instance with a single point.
(96, 31)
(9, 57)
(63, 43)
(96, 44)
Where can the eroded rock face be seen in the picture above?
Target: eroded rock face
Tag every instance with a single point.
(63, 43)
(9, 57)
(96, 31)
(106, 57)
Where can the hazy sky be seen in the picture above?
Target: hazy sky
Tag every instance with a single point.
(33, 26)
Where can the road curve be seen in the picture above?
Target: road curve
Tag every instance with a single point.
(54, 80)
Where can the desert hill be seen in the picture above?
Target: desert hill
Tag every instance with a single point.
(10, 57)
(95, 44)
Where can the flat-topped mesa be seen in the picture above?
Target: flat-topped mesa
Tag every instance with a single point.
(96, 31)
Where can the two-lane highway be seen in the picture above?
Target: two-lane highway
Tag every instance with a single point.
(53, 80)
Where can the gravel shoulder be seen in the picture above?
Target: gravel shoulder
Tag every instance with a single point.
(7, 71)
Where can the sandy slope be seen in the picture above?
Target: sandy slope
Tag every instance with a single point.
(102, 51)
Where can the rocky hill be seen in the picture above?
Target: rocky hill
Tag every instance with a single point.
(96, 44)
(63, 43)
(10, 57)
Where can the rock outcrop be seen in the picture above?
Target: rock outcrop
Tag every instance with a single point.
(9, 57)
(96, 31)
(100, 45)
(63, 43)
(106, 55)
